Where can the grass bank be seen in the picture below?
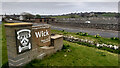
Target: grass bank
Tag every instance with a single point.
(74, 54)
(4, 46)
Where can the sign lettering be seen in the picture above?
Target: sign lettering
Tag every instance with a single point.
(41, 34)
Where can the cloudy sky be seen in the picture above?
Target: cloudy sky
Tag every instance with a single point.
(60, 0)
(54, 8)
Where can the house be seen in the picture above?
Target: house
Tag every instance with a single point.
(44, 20)
(21, 17)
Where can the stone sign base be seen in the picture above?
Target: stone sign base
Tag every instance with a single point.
(57, 42)
(21, 48)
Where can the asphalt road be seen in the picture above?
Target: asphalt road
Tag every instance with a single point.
(103, 33)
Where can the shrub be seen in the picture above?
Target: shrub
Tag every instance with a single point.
(115, 38)
(85, 34)
(65, 46)
(68, 46)
(63, 30)
(77, 33)
(80, 33)
(97, 36)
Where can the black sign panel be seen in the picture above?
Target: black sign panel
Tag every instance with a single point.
(23, 40)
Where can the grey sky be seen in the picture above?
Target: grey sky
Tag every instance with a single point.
(58, 7)
(60, 0)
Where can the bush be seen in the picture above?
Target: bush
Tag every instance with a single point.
(63, 30)
(97, 36)
(77, 33)
(66, 46)
(115, 38)
(82, 34)
(85, 34)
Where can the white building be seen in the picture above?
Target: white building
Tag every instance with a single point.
(21, 17)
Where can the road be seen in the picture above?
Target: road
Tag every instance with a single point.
(103, 33)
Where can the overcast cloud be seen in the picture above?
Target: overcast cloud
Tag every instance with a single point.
(58, 7)
(60, 0)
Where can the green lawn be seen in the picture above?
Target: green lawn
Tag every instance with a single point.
(78, 56)
(4, 46)
(0, 45)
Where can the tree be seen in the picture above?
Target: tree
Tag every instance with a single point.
(38, 16)
(72, 16)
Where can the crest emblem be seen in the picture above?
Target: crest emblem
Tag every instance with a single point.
(23, 40)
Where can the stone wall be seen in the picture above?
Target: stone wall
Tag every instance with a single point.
(106, 23)
(88, 25)
(98, 20)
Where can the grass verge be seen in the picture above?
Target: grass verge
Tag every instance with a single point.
(4, 46)
(74, 54)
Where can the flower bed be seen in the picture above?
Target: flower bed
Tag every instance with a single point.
(111, 48)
